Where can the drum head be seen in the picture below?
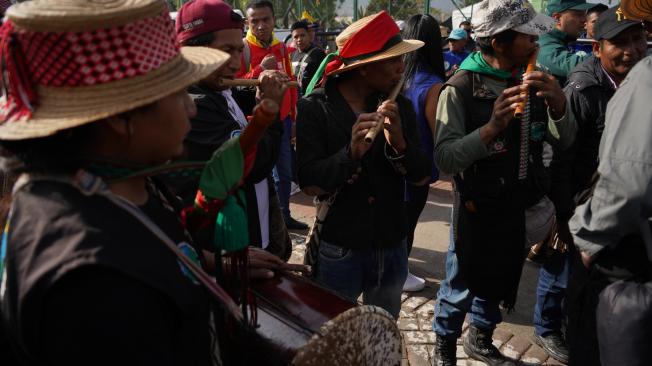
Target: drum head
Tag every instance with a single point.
(364, 335)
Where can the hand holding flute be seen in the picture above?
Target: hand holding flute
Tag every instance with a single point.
(371, 135)
(548, 88)
(531, 67)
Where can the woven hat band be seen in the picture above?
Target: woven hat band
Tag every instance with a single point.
(389, 44)
(64, 59)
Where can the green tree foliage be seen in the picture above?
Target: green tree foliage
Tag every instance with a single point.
(288, 11)
(399, 9)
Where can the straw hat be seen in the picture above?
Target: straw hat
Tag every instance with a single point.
(71, 62)
(637, 9)
(371, 39)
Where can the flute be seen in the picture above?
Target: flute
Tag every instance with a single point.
(531, 66)
(371, 134)
(252, 82)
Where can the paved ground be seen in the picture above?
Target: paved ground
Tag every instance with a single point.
(427, 260)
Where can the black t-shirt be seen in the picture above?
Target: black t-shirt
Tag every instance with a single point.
(87, 284)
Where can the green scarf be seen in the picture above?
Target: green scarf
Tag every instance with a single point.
(476, 63)
(219, 181)
(320, 72)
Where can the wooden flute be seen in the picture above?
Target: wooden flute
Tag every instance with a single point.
(531, 66)
(373, 132)
(252, 82)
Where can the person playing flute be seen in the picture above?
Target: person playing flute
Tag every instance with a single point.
(496, 161)
(219, 117)
(363, 248)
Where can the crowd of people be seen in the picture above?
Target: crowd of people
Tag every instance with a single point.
(153, 164)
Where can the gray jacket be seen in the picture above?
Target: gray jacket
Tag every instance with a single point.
(622, 200)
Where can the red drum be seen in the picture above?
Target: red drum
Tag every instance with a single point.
(310, 325)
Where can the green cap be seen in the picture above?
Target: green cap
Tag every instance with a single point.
(557, 6)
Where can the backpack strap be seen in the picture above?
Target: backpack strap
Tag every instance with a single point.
(463, 82)
(431, 108)
(302, 63)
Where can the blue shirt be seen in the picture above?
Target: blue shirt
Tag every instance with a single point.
(416, 92)
(453, 58)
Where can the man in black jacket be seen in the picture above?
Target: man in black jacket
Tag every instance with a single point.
(363, 248)
(214, 24)
(307, 57)
(620, 44)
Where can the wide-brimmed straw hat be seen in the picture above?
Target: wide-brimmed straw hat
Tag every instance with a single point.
(637, 9)
(371, 39)
(70, 62)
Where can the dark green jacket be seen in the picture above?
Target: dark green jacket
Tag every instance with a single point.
(556, 56)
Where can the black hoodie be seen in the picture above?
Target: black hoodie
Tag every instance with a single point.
(588, 91)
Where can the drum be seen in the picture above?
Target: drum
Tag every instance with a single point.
(309, 325)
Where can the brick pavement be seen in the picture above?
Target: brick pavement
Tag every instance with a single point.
(417, 311)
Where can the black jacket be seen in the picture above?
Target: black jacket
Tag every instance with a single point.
(211, 127)
(588, 92)
(88, 283)
(313, 58)
(490, 222)
(370, 210)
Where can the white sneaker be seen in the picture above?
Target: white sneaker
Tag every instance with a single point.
(413, 283)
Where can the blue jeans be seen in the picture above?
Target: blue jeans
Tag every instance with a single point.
(284, 168)
(377, 274)
(454, 301)
(551, 291)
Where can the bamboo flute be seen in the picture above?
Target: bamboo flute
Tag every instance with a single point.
(531, 66)
(371, 134)
(252, 82)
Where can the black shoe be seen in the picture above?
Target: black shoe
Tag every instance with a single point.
(554, 344)
(293, 224)
(445, 353)
(478, 345)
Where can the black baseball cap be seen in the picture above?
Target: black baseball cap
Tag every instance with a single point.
(611, 22)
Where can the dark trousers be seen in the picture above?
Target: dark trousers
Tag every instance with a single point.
(627, 260)
(284, 169)
(584, 288)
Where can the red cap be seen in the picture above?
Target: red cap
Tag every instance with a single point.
(204, 16)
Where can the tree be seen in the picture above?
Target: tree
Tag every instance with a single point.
(400, 9)
(287, 11)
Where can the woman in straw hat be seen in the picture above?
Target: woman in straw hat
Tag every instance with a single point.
(95, 265)
(363, 250)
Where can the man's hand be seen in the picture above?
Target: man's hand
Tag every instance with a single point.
(549, 89)
(564, 233)
(360, 128)
(263, 264)
(268, 63)
(272, 85)
(392, 126)
(503, 112)
(450, 72)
